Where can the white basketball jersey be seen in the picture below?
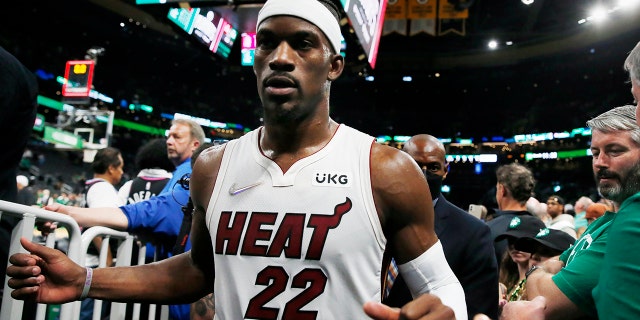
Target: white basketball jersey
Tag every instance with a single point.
(306, 244)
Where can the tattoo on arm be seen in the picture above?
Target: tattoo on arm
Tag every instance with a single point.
(203, 309)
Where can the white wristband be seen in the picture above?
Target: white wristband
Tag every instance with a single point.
(87, 284)
(430, 272)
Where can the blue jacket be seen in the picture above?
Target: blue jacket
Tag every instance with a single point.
(158, 219)
(181, 170)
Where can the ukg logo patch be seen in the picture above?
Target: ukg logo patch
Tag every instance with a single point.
(331, 179)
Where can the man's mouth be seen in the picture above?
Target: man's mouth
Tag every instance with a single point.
(280, 85)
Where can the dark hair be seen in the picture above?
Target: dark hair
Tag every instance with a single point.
(333, 8)
(518, 180)
(105, 158)
(199, 150)
(556, 198)
(508, 272)
(153, 155)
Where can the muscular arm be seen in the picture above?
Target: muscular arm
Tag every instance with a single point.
(171, 281)
(403, 202)
(205, 172)
(49, 276)
(405, 208)
(540, 283)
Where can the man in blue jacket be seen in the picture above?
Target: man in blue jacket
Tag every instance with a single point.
(157, 219)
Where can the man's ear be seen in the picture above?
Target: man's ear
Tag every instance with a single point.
(337, 66)
(446, 171)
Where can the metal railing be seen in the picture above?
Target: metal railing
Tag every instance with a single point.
(79, 242)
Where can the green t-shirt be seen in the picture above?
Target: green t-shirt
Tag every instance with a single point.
(617, 295)
(582, 263)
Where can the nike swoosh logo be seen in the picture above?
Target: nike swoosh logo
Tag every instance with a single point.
(235, 190)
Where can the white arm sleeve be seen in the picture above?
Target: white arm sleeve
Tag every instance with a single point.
(430, 273)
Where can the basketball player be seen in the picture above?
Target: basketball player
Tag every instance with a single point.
(292, 220)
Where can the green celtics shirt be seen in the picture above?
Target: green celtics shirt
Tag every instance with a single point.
(582, 265)
(617, 295)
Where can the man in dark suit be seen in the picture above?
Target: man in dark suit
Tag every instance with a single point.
(466, 240)
(18, 107)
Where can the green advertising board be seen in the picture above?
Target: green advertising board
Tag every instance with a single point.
(58, 136)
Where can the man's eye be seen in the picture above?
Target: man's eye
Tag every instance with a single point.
(303, 44)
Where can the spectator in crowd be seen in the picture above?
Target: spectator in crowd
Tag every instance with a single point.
(625, 202)
(559, 219)
(515, 184)
(154, 171)
(595, 211)
(158, 218)
(18, 106)
(625, 306)
(548, 243)
(100, 191)
(618, 174)
(108, 168)
(568, 283)
(466, 240)
(580, 220)
(515, 263)
(538, 209)
(611, 205)
(568, 209)
(327, 235)
(25, 194)
(615, 293)
(44, 197)
(186, 137)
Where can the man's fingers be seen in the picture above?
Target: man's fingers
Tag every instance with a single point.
(22, 259)
(52, 207)
(41, 251)
(25, 293)
(16, 283)
(22, 272)
(379, 311)
(426, 306)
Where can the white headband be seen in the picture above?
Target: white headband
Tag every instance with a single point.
(310, 10)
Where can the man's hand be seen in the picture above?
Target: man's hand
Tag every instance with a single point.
(46, 275)
(57, 207)
(553, 265)
(524, 310)
(46, 227)
(425, 307)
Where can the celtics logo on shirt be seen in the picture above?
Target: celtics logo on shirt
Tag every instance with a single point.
(515, 222)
